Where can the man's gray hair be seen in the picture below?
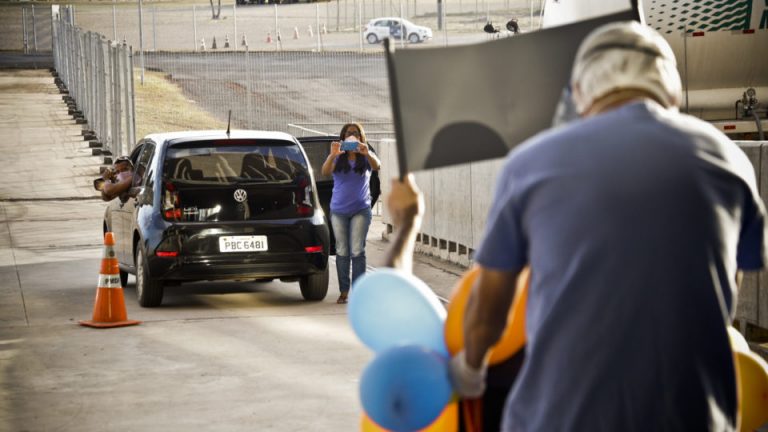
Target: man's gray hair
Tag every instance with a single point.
(625, 56)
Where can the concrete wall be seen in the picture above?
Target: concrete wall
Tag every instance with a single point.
(459, 198)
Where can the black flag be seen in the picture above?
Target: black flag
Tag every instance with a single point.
(469, 103)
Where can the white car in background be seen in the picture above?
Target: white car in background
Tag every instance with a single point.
(379, 28)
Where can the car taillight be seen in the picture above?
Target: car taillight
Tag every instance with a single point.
(169, 247)
(304, 207)
(171, 207)
(313, 249)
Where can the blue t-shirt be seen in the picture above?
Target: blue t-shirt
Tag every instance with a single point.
(351, 190)
(634, 223)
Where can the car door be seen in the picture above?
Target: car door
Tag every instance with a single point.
(317, 149)
(141, 176)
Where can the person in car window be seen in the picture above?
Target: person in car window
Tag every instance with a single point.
(350, 202)
(118, 179)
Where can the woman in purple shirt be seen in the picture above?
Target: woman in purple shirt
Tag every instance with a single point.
(350, 203)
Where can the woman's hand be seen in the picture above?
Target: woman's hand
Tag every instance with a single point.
(362, 148)
(335, 149)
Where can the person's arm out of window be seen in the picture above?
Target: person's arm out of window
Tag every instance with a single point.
(113, 190)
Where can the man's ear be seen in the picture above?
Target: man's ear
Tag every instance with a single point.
(578, 98)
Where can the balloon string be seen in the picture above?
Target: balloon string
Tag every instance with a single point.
(472, 410)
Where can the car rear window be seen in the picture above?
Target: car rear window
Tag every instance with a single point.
(235, 161)
(236, 180)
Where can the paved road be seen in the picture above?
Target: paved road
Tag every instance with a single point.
(216, 356)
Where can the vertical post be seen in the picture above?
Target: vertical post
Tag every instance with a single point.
(24, 29)
(439, 14)
(402, 27)
(445, 23)
(127, 90)
(317, 26)
(154, 29)
(132, 108)
(359, 24)
(477, 11)
(338, 13)
(234, 15)
(194, 26)
(248, 90)
(346, 6)
(34, 27)
(141, 42)
(278, 38)
(115, 99)
(114, 20)
(531, 22)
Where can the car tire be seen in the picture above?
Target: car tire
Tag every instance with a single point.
(123, 278)
(372, 38)
(148, 291)
(414, 38)
(314, 287)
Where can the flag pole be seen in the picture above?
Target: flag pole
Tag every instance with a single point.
(394, 96)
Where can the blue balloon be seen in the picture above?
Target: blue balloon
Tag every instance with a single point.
(405, 388)
(389, 307)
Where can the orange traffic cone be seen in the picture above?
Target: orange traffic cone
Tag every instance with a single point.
(109, 307)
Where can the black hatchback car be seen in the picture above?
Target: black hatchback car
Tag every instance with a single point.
(207, 205)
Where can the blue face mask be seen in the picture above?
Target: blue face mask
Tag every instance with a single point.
(566, 109)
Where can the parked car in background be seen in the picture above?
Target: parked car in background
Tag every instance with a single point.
(207, 205)
(397, 28)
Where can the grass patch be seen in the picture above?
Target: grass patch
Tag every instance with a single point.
(162, 107)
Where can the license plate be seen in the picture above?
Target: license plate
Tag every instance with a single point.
(243, 243)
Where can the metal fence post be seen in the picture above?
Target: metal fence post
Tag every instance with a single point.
(194, 26)
(133, 100)
(34, 26)
(234, 16)
(130, 133)
(141, 43)
(116, 114)
(114, 20)
(24, 29)
(103, 79)
(154, 29)
(249, 90)
(317, 26)
(278, 40)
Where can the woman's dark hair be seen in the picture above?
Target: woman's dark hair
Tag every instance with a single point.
(342, 164)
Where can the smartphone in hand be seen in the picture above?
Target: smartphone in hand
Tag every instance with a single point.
(349, 145)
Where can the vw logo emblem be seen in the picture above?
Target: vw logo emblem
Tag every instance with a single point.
(241, 195)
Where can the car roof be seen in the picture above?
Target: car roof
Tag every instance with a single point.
(389, 18)
(218, 134)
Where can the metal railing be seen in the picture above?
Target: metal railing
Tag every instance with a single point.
(98, 75)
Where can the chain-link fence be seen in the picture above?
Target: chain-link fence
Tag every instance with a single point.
(99, 76)
(25, 28)
(332, 25)
(269, 90)
(290, 67)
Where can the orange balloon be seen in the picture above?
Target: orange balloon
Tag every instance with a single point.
(513, 338)
(752, 378)
(447, 421)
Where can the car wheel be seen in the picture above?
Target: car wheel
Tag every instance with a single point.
(123, 278)
(372, 38)
(314, 287)
(413, 38)
(149, 291)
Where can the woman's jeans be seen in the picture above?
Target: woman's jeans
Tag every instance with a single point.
(350, 232)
